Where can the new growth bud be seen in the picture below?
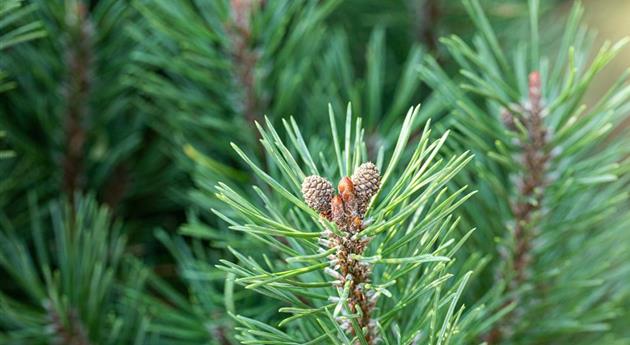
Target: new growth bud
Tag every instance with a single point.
(346, 188)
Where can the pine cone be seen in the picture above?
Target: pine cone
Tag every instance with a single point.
(367, 181)
(317, 193)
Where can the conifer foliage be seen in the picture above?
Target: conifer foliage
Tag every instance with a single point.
(69, 118)
(368, 265)
(169, 174)
(68, 279)
(554, 178)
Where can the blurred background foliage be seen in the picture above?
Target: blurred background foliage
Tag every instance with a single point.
(134, 103)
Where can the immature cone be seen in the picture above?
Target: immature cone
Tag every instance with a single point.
(367, 181)
(317, 193)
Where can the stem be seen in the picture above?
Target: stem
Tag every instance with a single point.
(427, 13)
(528, 202)
(77, 97)
(243, 57)
(347, 216)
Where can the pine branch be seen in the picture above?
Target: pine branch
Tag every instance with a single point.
(377, 260)
(551, 172)
(529, 200)
(80, 125)
(361, 230)
(531, 186)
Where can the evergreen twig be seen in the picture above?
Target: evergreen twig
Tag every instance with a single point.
(351, 238)
(552, 176)
(528, 201)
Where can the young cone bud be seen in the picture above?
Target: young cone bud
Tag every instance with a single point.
(337, 212)
(346, 188)
(317, 193)
(367, 181)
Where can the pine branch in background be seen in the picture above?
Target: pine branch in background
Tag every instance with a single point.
(373, 53)
(230, 62)
(347, 272)
(68, 281)
(217, 65)
(78, 127)
(550, 175)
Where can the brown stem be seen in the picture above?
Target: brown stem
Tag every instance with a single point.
(244, 58)
(529, 200)
(77, 94)
(347, 215)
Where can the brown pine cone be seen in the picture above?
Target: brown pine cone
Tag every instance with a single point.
(317, 192)
(367, 181)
